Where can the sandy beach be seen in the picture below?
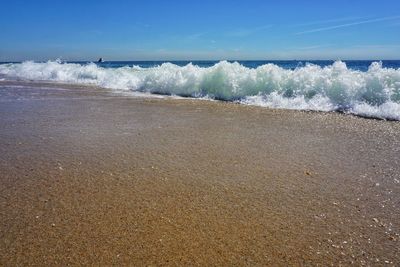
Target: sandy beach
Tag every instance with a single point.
(91, 177)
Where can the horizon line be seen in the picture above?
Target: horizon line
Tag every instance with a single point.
(201, 60)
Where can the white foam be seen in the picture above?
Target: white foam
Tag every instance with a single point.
(374, 93)
(388, 110)
(274, 100)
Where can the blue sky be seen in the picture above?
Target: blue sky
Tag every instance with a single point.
(203, 29)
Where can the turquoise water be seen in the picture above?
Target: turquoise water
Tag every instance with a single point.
(361, 65)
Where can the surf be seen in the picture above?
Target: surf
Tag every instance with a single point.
(371, 93)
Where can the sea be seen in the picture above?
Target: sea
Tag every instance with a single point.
(367, 88)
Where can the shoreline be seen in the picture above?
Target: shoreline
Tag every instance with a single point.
(93, 177)
(124, 93)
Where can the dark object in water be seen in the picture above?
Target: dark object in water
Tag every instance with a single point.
(100, 60)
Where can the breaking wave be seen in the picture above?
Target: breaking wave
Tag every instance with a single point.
(372, 93)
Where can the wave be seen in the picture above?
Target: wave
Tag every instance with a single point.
(373, 93)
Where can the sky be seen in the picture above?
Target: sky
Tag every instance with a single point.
(199, 30)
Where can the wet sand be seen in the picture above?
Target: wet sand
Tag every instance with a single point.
(88, 177)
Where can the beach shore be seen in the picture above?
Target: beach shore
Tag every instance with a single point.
(91, 177)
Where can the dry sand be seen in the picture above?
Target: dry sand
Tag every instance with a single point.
(88, 177)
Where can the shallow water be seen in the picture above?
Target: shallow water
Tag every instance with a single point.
(87, 172)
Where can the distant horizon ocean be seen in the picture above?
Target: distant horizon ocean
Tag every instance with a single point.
(359, 64)
(369, 88)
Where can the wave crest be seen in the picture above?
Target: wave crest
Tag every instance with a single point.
(374, 93)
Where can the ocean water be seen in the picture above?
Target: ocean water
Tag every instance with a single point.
(364, 88)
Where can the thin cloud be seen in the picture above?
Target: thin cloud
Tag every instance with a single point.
(347, 25)
(191, 37)
(92, 33)
(319, 22)
(378, 46)
(312, 47)
(243, 32)
(195, 36)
